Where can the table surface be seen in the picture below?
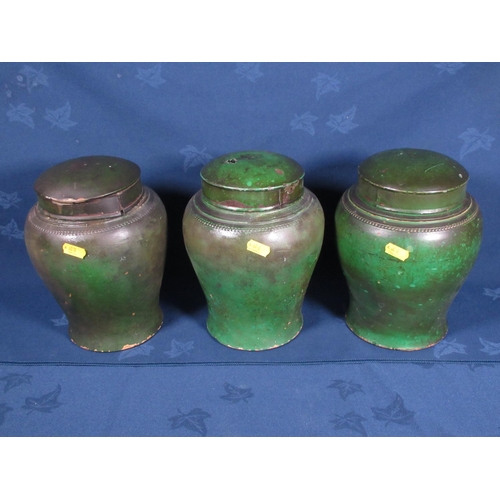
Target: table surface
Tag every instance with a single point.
(171, 119)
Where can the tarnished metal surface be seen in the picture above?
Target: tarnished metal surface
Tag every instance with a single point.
(252, 181)
(254, 266)
(412, 181)
(86, 178)
(105, 273)
(404, 269)
(89, 187)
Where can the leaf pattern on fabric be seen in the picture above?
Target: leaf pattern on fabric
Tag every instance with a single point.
(140, 350)
(235, 394)
(250, 71)
(343, 123)
(12, 231)
(474, 140)
(151, 76)
(9, 200)
(60, 117)
(179, 348)
(22, 114)
(15, 379)
(62, 321)
(31, 78)
(194, 157)
(351, 421)
(304, 122)
(3, 410)
(491, 348)
(425, 365)
(474, 366)
(45, 403)
(325, 84)
(446, 347)
(193, 421)
(450, 68)
(394, 412)
(345, 388)
(489, 292)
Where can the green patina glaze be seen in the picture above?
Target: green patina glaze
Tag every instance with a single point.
(252, 180)
(402, 304)
(262, 169)
(254, 301)
(111, 296)
(413, 171)
(412, 180)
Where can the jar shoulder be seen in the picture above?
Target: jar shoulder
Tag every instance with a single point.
(150, 211)
(307, 209)
(349, 215)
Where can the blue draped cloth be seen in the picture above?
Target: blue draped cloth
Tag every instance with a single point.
(171, 119)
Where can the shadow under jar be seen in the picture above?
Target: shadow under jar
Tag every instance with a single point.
(253, 234)
(97, 238)
(408, 235)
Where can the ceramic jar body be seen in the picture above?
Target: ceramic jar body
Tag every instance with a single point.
(254, 290)
(404, 270)
(111, 296)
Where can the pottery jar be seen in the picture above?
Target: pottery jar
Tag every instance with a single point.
(408, 234)
(253, 234)
(97, 238)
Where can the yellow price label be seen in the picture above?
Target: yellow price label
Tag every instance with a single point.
(398, 252)
(74, 251)
(258, 248)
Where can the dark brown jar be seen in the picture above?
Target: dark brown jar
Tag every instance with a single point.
(408, 234)
(97, 238)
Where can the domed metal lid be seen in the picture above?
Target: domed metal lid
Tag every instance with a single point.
(252, 180)
(89, 187)
(412, 180)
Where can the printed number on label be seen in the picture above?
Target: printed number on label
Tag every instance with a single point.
(398, 252)
(258, 248)
(74, 251)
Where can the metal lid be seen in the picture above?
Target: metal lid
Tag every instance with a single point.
(412, 181)
(252, 181)
(89, 187)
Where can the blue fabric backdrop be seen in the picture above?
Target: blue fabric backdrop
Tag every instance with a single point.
(171, 119)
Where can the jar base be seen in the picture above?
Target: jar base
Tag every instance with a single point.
(119, 346)
(246, 346)
(392, 342)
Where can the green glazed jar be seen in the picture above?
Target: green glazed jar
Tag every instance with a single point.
(407, 235)
(253, 234)
(97, 238)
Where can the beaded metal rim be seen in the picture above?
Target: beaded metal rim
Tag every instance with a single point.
(259, 226)
(111, 224)
(469, 215)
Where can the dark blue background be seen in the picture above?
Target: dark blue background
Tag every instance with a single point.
(173, 118)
